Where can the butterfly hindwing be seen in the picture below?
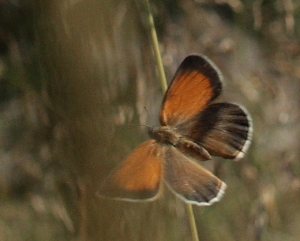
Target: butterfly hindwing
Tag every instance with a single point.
(196, 83)
(139, 175)
(223, 129)
(189, 181)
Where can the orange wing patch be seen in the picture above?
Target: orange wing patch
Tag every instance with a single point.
(196, 83)
(138, 176)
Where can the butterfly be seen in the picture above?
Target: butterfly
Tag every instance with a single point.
(193, 129)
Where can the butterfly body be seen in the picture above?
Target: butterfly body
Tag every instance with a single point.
(167, 135)
(193, 129)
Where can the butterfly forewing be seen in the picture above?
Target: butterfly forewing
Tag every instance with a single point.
(189, 181)
(139, 175)
(196, 83)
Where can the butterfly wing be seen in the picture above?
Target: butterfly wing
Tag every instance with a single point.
(223, 129)
(196, 83)
(189, 181)
(138, 177)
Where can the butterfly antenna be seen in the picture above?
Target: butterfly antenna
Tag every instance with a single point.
(148, 127)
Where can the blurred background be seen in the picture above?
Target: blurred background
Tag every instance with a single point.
(75, 76)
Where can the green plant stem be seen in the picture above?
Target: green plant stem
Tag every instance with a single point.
(192, 221)
(164, 87)
(161, 71)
